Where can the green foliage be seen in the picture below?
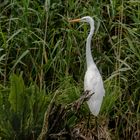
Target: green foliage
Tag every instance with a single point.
(20, 109)
(68, 90)
(111, 97)
(50, 52)
(16, 96)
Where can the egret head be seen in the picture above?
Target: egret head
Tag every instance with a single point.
(86, 19)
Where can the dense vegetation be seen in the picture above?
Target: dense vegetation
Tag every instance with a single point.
(41, 54)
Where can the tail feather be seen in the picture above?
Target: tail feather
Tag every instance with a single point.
(94, 104)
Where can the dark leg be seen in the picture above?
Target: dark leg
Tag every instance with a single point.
(96, 126)
(88, 120)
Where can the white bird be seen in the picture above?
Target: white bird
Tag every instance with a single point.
(92, 81)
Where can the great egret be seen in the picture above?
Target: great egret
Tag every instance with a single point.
(93, 82)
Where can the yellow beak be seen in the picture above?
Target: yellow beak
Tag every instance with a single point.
(75, 20)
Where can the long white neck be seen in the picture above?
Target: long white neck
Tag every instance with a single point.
(89, 58)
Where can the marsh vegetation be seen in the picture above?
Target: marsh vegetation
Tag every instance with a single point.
(41, 54)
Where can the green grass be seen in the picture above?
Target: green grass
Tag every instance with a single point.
(37, 42)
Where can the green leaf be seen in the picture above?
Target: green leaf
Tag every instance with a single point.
(16, 96)
(19, 59)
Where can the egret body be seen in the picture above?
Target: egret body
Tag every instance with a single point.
(92, 81)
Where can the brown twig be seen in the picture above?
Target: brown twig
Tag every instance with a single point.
(77, 104)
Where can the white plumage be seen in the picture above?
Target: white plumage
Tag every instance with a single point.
(93, 81)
